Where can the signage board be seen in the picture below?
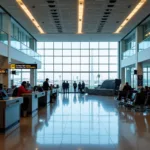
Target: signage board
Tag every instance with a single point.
(23, 66)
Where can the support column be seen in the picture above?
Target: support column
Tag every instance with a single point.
(6, 79)
(32, 77)
(123, 75)
(138, 66)
(128, 75)
(122, 70)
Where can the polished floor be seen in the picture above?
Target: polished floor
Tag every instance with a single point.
(81, 122)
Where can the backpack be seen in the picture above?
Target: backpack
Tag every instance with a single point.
(15, 92)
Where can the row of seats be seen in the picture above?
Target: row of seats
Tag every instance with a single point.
(139, 101)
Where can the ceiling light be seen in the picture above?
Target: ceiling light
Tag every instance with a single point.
(28, 13)
(134, 11)
(80, 15)
(147, 34)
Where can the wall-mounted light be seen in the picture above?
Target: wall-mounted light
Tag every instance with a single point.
(80, 15)
(29, 14)
(130, 16)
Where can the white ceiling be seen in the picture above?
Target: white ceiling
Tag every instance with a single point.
(67, 11)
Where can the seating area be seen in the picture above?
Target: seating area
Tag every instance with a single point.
(135, 100)
(108, 88)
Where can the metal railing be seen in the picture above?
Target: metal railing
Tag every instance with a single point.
(128, 53)
(144, 44)
(25, 49)
(3, 37)
(18, 45)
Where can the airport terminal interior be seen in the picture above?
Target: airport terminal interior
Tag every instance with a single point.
(74, 74)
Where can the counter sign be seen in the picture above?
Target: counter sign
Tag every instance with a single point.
(23, 66)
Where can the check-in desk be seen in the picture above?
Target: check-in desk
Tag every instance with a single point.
(54, 94)
(33, 101)
(45, 99)
(10, 114)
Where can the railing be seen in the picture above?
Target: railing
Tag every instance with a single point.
(3, 37)
(144, 44)
(25, 49)
(18, 45)
(128, 53)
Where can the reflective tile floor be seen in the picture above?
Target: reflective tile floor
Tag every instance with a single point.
(81, 122)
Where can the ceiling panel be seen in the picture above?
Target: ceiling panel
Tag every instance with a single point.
(58, 18)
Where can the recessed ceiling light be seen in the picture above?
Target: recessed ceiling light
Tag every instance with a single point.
(28, 13)
(130, 16)
(80, 15)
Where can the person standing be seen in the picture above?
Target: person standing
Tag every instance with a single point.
(46, 85)
(83, 86)
(75, 86)
(67, 87)
(64, 87)
(80, 87)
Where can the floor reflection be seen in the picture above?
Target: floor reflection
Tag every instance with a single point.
(81, 122)
(80, 119)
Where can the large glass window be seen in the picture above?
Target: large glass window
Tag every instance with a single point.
(78, 61)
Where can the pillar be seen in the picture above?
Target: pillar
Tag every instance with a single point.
(138, 66)
(128, 75)
(122, 70)
(32, 77)
(5, 78)
(6, 61)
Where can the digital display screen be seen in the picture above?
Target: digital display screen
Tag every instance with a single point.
(23, 66)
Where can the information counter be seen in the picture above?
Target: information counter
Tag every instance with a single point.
(10, 114)
(32, 99)
(44, 99)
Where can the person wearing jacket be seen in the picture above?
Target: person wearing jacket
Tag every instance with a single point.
(46, 85)
(22, 89)
(80, 87)
(75, 86)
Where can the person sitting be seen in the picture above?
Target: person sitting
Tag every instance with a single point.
(146, 89)
(22, 89)
(141, 97)
(126, 89)
(46, 85)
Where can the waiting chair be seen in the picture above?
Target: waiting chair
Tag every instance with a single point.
(139, 102)
(147, 102)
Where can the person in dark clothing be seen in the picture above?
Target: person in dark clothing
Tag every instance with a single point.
(146, 89)
(80, 87)
(64, 87)
(75, 86)
(67, 87)
(46, 85)
(126, 91)
(127, 87)
(83, 86)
